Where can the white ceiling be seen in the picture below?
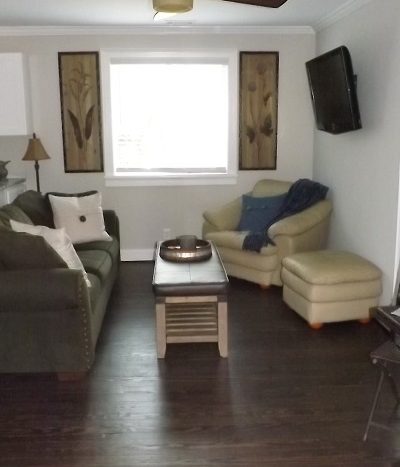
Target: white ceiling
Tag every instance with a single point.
(140, 12)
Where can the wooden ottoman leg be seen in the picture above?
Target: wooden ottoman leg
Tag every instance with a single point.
(364, 320)
(223, 328)
(71, 376)
(161, 337)
(316, 326)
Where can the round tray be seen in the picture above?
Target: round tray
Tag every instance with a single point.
(171, 250)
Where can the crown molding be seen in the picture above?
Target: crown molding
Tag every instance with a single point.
(340, 13)
(14, 31)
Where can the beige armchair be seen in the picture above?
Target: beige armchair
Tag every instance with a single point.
(305, 231)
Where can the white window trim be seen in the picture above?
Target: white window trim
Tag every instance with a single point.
(109, 56)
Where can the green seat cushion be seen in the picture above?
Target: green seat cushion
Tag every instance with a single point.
(96, 262)
(36, 206)
(25, 251)
(11, 211)
(112, 248)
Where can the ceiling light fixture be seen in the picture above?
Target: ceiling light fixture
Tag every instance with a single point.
(172, 6)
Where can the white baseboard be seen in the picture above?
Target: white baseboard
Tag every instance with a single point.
(137, 255)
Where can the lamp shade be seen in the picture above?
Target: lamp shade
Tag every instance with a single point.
(35, 150)
(173, 6)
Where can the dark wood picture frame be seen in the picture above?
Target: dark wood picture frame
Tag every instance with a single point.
(81, 111)
(258, 110)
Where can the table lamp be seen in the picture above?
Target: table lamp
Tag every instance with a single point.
(35, 152)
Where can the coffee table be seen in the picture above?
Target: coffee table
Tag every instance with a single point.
(191, 302)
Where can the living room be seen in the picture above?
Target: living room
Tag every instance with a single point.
(336, 162)
(360, 168)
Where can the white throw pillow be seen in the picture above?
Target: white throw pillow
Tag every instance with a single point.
(81, 216)
(58, 240)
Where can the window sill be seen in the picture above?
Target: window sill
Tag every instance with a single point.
(169, 180)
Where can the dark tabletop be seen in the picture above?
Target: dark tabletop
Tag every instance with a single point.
(185, 279)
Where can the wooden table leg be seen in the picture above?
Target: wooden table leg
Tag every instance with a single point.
(223, 328)
(161, 337)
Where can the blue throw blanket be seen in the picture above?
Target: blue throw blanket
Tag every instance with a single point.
(301, 195)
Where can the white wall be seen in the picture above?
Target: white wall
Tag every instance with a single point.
(144, 212)
(362, 168)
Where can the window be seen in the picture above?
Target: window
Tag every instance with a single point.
(169, 118)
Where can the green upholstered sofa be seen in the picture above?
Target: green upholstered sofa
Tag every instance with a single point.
(50, 319)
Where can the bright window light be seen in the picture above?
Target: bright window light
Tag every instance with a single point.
(170, 116)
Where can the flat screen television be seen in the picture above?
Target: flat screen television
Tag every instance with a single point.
(333, 91)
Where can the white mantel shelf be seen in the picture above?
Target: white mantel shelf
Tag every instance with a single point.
(10, 188)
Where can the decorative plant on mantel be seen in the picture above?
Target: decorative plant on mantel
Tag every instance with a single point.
(80, 102)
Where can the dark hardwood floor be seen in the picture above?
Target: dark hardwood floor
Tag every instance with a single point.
(286, 396)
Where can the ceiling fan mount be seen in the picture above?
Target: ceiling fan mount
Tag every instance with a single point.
(182, 6)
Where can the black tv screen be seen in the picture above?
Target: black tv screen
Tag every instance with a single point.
(333, 91)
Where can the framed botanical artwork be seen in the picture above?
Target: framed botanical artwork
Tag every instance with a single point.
(81, 111)
(258, 111)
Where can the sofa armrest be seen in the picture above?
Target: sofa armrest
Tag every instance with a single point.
(226, 217)
(111, 222)
(45, 322)
(37, 290)
(303, 221)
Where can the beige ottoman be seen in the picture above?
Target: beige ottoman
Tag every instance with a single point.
(327, 286)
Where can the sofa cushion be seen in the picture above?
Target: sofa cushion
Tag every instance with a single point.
(229, 245)
(58, 240)
(81, 216)
(227, 238)
(262, 263)
(112, 248)
(25, 251)
(11, 211)
(96, 262)
(234, 241)
(258, 212)
(36, 206)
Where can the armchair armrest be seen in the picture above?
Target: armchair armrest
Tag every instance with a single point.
(303, 221)
(225, 218)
